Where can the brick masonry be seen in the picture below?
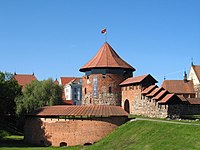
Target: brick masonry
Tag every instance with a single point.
(53, 132)
(103, 96)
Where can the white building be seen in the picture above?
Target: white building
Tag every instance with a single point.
(72, 90)
(194, 75)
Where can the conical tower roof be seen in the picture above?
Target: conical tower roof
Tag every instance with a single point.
(106, 57)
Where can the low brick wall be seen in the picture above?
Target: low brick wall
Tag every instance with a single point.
(46, 132)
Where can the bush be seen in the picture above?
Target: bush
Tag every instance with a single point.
(3, 133)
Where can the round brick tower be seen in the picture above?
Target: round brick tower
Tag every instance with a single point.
(103, 74)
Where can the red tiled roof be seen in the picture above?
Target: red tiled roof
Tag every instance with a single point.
(154, 92)
(56, 82)
(149, 89)
(197, 71)
(178, 86)
(24, 79)
(106, 57)
(67, 80)
(137, 79)
(132, 80)
(166, 98)
(82, 110)
(194, 101)
(182, 98)
(163, 92)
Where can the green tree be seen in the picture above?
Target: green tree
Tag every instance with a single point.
(9, 90)
(39, 94)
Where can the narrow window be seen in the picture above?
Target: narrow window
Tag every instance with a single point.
(110, 90)
(85, 91)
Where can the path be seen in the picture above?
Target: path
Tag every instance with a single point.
(165, 121)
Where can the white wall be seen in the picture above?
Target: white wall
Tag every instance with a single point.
(192, 76)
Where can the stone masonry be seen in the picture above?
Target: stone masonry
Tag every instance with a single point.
(145, 106)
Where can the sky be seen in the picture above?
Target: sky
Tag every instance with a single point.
(56, 38)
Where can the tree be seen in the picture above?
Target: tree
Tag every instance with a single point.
(9, 90)
(39, 94)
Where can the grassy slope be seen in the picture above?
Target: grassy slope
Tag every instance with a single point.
(132, 135)
(148, 135)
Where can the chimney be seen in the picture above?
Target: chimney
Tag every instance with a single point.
(185, 76)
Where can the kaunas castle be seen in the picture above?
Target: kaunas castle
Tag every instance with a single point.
(109, 80)
(109, 94)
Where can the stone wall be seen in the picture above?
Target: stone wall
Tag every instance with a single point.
(150, 108)
(72, 132)
(106, 92)
(141, 105)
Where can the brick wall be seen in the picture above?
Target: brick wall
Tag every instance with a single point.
(130, 93)
(48, 132)
(103, 95)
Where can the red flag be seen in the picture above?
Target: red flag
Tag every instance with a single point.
(103, 31)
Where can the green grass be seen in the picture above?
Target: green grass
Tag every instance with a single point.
(147, 135)
(137, 135)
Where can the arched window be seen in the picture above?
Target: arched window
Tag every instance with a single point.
(127, 106)
(86, 144)
(63, 144)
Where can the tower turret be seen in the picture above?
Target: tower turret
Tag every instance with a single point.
(103, 74)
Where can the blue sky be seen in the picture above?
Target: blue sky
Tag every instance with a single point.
(55, 38)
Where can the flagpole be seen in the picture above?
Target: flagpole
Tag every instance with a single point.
(106, 36)
(104, 31)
